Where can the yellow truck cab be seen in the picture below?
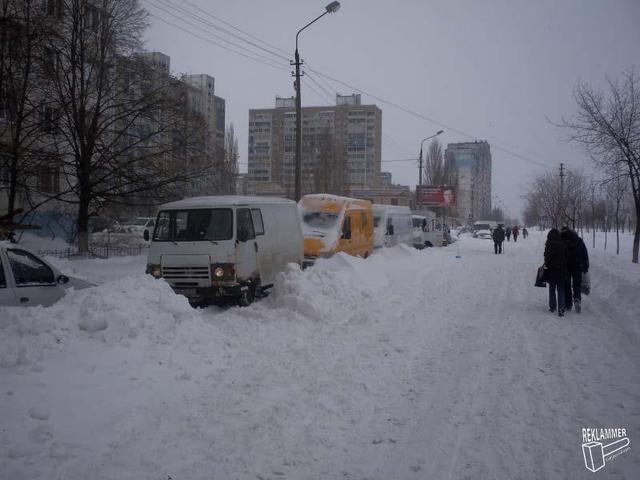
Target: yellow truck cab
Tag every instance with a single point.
(332, 224)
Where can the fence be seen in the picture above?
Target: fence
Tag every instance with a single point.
(97, 251)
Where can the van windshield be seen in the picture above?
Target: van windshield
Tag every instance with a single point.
(321, 220)
(194, 225)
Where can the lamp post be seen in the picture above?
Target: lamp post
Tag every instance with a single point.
(420, 161)
(331, 8)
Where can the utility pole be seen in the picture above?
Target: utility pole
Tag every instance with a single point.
(561, 193)
(331, 8)
(298, 176)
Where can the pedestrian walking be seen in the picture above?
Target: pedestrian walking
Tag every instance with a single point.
(555, 262)
(508, 233)
(498, 238)
(525, 233)
(515, 232)
(577, 265)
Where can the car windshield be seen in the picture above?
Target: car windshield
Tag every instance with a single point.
(417, 223)
(140, 222)
(194, 225)
(482, 226)
(322, 220)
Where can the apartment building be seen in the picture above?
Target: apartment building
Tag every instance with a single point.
(341, 147)
(471, 163)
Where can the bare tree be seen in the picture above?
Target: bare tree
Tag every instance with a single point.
(26, 118)
(125, 131)
(616, 187)
(436, 172)
(609, 129)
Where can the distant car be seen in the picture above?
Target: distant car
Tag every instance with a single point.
(483, 234)
(139, 225)
(28, 280)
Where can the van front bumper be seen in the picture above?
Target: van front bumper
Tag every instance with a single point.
(209, 293)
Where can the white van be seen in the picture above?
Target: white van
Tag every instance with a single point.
(391, 225)
(426, 233)
(208, 248)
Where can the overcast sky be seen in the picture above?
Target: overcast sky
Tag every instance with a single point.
(495, 69)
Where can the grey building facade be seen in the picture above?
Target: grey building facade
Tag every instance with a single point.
(471, 164)
(341, 147)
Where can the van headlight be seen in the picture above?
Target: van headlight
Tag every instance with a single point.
(154, 270)
(222, 272)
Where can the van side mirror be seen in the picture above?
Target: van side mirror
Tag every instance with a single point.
(242, 235)
(146, 235)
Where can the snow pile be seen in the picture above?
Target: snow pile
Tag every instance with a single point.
(409, 364)
(115, 312)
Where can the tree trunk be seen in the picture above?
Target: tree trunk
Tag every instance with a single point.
(83, 225)
(636, 237)
(617, 233)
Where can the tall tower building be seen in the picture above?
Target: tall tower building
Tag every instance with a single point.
(341, 147)
(471, 162)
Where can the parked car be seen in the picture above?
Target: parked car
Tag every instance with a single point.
(27, 279)
(391, 225)
(139, 225)
(426, 233)
(333, 224)
(224, 247)
(484, 229)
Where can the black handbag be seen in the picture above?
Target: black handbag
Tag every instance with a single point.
(541, 280)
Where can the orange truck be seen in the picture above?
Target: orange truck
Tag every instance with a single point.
(332, 224)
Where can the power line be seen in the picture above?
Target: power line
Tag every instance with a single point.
(424, 117)
(235, 28)
(321, 87)
(212, 25)
(323, 76)
(191, 24)
(259, 60)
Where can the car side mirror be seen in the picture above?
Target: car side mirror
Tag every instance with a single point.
(146, 235)
(62, 279)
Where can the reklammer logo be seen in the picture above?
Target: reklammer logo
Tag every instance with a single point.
(601, 445)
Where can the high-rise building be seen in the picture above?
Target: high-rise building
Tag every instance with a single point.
(203, 100)
(471, 164)
(341, 147)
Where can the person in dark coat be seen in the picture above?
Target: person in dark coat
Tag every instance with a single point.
(515, 232)
(577, 265)
(498, 238)
(555, 262)
(525, 232)
(508, 233)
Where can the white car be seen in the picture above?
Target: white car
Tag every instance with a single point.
(28, 280)
(484, 234)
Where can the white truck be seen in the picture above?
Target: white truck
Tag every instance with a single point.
(391, 226)
(426, 234)
(220, 247)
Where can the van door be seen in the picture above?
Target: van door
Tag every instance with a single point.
(246, 246)
(346, 241)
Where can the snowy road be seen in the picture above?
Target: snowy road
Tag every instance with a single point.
(408, 365)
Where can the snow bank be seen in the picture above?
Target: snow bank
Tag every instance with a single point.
(115, 312)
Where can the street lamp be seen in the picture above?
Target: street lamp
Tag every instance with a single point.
(421, 144)
(331, 8)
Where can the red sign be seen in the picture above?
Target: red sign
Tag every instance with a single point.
(436, 196)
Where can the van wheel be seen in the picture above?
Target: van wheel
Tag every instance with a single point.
(248, 296)
(428, 244)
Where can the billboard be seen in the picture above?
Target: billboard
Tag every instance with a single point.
(436, 195)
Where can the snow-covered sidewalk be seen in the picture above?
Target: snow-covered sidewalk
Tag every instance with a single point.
(442, 363)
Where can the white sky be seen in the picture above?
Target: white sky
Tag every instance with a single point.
(493, 69)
